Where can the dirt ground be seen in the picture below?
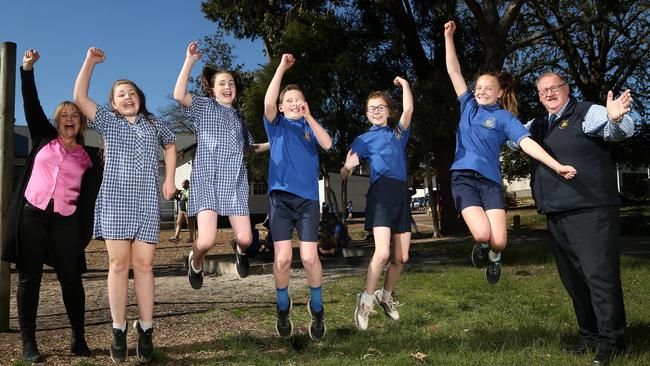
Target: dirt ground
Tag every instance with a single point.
(176, 325)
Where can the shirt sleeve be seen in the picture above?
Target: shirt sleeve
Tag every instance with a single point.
(102, 118)
(165, 135)
(596, 123)
(196, 110)
(406, 133)
(359, 147)
(514, 129)
(466, 100)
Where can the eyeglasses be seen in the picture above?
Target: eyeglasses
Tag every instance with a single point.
(380, 108)
(552, 90)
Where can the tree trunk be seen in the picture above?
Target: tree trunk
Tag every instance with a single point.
(433, 204)
(449, 223)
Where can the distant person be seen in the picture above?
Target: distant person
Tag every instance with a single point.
(127, 212)
(348, 209)
(334, 238)
(219, 177)
(294, 135)
(414, 225)
(50, 220)
(583, 214)
(488, 119)
(388, 200)
(181, 196)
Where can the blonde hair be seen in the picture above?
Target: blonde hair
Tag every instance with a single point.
(84, 122)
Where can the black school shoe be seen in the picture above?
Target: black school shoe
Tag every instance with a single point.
(607, 354)
(31, 353)
(283, 324)
(493, 271)
(241, 261)
(119, 351)
(144, 350)
(78, 346)
(317, 327)
(480, 255)
(196, 278)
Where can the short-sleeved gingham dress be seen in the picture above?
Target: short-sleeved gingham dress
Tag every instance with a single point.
(219, 178)
(128, 203)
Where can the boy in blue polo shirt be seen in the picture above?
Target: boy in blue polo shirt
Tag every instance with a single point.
(488, 119)
(293, 194)
(388, 203)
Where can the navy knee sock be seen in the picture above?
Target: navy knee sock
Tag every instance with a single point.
(316, 298)
(282, 295)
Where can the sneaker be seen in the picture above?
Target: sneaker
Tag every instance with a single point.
(317, 327)
(390, 308)
(480, 255)
(493, 272)
(283, 324)
(241, 261)
(196, 278)
(78, 346)
(144, 350)
(174, 238)
(31, 353)
(118, 346)
(362, 312)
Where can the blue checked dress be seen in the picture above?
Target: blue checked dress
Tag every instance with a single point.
(219, 178)
(128, 203)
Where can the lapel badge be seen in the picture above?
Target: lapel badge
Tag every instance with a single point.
(564, 124)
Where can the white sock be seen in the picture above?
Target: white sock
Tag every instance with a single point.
(120, 326)
(194, 269)
(368, 300)
(386, 295)
(494, 256)
(145, 325)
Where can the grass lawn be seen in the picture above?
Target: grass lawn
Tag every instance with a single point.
(450, 316)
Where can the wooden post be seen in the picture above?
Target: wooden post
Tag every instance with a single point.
(7, 101)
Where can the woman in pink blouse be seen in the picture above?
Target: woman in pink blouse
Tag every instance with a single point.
(50, 220)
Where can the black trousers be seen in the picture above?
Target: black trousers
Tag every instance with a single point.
(588, 260)
(46, 234)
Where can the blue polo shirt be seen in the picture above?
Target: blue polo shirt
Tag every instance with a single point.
(481, 132)
(293, 165)
(385, 148)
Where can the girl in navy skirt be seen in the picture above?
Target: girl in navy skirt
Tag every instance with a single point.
(488, 119)
(127, 212)
(219, 178)
(388, 199)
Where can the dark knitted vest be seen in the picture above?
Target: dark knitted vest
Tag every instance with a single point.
(595, 183)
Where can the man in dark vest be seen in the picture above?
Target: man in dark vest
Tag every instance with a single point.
(583, 213)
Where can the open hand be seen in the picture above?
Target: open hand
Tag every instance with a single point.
(616, 108)
(351, 160)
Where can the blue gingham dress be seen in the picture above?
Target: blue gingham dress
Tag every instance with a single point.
(219, 178)
(128, 203)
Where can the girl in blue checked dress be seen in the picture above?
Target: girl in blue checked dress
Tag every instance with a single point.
(219, 178)
(127, 214)
(488, 119)
(388, 200)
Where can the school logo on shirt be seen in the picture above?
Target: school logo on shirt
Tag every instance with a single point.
(564, 124)
(307, 135)
(489, 123)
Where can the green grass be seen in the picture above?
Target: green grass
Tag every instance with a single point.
(450, 316)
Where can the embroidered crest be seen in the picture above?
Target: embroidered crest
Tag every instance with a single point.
(564, 124)
(489, 123)
(307, 135)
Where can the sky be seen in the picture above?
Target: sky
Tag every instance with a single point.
(144, 41)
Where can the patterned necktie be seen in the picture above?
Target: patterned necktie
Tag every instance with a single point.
(551, 119)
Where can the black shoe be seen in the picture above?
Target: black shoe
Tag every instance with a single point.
(582, 347)
(606, 355)
(241, 261)
(196, 278)
(283, 324)
(317, 327)
(480, 255)
(118, 346)
(144, 349)
(78, 346)
(493, 272)
(30, 352)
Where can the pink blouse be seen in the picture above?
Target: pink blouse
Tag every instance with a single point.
(57, 174)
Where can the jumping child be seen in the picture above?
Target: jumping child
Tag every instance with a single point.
(127, 211)
(388, 200)
(488, 119)
(293, 194)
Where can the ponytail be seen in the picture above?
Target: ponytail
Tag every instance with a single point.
(508, 100)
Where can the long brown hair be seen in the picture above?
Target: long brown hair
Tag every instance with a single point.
(508, 99)
(84, 122)
(143, 102)
(209, 75)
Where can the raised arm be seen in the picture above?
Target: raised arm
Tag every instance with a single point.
(272, 92)
(407, 102)
(180, 90)
(36, 118)
(532, 148)
(453, 66)
(87, 106)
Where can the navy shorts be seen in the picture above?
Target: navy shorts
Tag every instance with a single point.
(287, 210)
(388, 204)
(471, 188)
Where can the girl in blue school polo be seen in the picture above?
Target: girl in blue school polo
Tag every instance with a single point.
(219, 178)
(127, 212)
(488, 119)
(388, 200)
